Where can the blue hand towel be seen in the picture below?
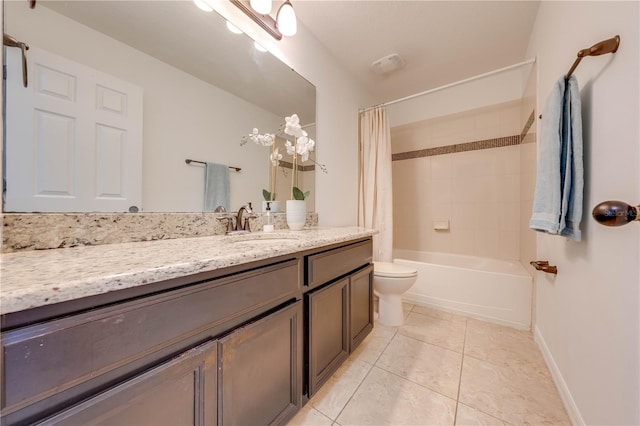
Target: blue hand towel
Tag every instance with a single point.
(557, 205)
(216, 186)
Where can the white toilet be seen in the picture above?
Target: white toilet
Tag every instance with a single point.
(390, 282)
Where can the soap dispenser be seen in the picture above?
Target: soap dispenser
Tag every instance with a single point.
(268, 219)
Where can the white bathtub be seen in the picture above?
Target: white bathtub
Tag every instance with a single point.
(491, 289)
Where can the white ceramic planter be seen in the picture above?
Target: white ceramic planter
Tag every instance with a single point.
(275, 206)
(296, 214)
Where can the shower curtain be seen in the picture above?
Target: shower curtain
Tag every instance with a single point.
(375, 207)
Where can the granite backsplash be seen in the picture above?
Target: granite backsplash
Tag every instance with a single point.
(35, 231)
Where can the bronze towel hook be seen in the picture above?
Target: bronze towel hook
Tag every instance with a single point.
(605, 46)
(12, 42)
(543, 265)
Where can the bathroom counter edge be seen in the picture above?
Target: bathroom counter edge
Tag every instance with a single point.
(39, 278)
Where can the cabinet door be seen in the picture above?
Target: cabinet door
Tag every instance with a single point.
(260, 370)
(179, 392)
(361, 306)
(328, 340)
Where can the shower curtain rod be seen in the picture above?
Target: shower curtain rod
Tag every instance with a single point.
(446, 86)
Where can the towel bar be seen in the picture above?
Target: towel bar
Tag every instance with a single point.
(615, 213)
(189, 161)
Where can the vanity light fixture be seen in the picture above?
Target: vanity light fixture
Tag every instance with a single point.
(203, 5)
(233, 28)
(286, 20)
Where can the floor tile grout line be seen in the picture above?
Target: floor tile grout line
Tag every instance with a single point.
(429, 343)
(415, 383)
(366, 375)
(354, 392)
(464, 342)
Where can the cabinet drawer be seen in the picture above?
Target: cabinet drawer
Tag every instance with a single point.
(179, 392)
(46, 359)
(324, 267)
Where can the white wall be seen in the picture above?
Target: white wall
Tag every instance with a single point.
(338, 99)
(588, 316)
(184, 117)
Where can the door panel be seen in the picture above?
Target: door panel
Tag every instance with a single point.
(260, 371)
(328, 340)
(73, 137)
(361, 306)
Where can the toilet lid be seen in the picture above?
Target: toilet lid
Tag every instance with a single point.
(393, 270)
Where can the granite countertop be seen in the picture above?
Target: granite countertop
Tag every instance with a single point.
(37, 278)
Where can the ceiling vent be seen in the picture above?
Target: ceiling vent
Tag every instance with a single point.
(387, 64)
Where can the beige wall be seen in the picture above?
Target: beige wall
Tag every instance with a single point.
(588, 316)
(478, 192)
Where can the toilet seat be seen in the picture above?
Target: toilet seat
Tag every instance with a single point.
(393, 270)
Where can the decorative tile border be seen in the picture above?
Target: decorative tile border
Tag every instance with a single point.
(472, 146)
(36, 231)
(301, 168)
(460, 147)
(526, 128)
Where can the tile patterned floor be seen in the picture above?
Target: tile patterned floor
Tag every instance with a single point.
(439, 369)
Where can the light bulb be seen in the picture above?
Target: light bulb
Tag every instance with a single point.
(203, 5)
(259, 46)
(233, 28)
(286, 19)
(261, 6)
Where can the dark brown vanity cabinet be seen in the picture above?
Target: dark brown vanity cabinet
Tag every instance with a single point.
(238, 346)
(194, 355)
(339, 311)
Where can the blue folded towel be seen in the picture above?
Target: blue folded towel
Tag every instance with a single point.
(217, 189)
(557, 205)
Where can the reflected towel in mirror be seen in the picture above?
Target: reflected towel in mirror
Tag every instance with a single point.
(216, 186)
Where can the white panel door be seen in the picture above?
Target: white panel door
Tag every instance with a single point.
(73, 138)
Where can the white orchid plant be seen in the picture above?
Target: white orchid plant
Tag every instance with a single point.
(300, 148)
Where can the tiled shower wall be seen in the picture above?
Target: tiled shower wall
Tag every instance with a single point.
(463, 168)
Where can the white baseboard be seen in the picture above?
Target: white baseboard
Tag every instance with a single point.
(563, 389)
(458, 308)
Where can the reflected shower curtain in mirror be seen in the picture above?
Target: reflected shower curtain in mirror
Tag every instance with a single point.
(375, 206)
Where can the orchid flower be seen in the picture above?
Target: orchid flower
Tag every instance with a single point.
(266, 139)
(275, 157)
(292, 126)
(290, 148)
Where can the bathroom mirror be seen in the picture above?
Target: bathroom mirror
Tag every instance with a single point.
(202, 86)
